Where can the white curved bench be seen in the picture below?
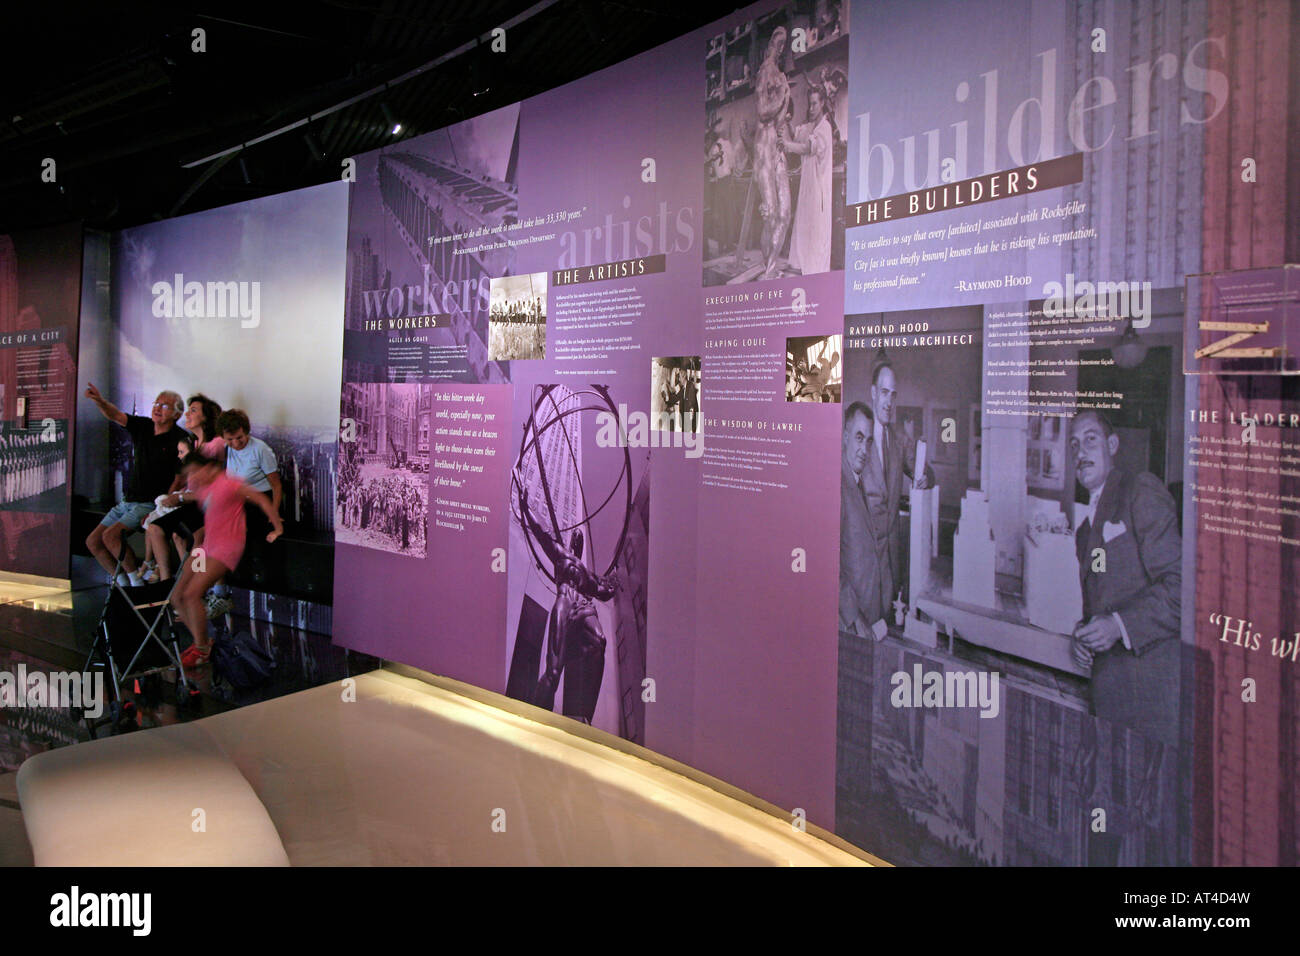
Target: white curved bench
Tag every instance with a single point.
(407, 773)
(132, 801)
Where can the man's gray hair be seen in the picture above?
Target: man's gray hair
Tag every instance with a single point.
(177, 403)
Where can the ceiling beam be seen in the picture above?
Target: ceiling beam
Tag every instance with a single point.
(465, 47)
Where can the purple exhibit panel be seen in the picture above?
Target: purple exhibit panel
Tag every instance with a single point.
(947, 611)
(40, 275)
(609, 161)
(1012, 649)
(1027, 199)
(769, 518)
(640, 262)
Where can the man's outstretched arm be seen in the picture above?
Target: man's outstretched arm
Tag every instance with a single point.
(109, 410)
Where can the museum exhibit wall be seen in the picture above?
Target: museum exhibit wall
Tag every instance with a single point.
(1015, 197)
(239, 303)
(40, 280)
(1020, 589)
(236, 303)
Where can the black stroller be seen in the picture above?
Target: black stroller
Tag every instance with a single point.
(135, 640)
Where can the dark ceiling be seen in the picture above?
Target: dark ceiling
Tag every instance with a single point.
(117, 97)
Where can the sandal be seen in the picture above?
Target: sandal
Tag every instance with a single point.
(195, 656)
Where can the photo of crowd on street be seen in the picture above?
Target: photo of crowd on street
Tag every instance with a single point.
(383, 483)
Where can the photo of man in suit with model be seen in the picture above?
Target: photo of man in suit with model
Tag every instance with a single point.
(892, 460)
(860, 589)
(1130, 554)
(877, 458)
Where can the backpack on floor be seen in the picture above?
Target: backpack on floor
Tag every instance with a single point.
(240, 661)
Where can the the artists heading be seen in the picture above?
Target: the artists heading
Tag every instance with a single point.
(664, 233)
(1007, 183)
(605, 271)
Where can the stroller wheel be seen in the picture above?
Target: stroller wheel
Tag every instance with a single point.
(127, 719)
(150, 690)
(187, 693)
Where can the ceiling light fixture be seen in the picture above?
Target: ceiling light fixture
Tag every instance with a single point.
(394, 127)
(313, 146)
(465, 47)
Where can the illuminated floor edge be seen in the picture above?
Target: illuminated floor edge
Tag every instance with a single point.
(603, 739)
(407, 773)
(35, 591)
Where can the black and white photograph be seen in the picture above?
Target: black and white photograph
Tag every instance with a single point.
(813, 368)
(774, 144)
(675, 394)
(969, 543)
(383, 479)
(418, 217)
(517, 318)
(33, 466)
(577, 609)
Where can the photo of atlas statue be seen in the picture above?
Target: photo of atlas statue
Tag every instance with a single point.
(564, 551)
(573, 632)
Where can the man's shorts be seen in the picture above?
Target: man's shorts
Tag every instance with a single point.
(184, 520)
(129, 514)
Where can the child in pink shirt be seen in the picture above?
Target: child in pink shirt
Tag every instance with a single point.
(222, 499)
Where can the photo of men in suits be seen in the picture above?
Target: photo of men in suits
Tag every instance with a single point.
(892, 459)
(1092, 690)
(861, 603)
(1130, 554)
(877, 458)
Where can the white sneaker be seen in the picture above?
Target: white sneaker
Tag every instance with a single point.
(123, 580)
(135, 579)
(217, 606)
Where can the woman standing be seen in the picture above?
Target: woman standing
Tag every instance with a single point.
(810, 245)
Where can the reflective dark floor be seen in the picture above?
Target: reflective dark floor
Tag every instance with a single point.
(373, 790)
(51, 628)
